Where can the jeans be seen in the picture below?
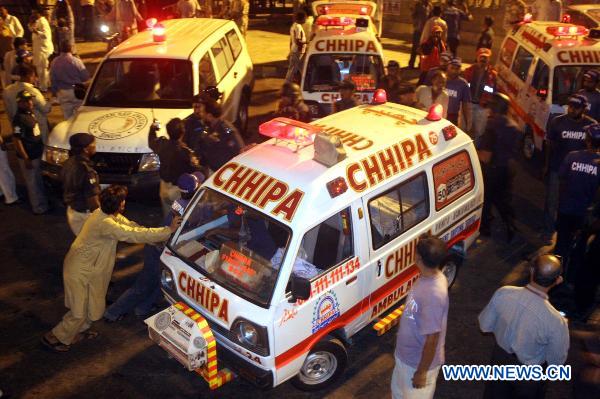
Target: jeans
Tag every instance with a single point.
(144, 292)
(68, 102)
(402, 382)
(7, 179)
(294, 67)
(498, 194)
(416, 37)
(551, 202)
(35, 185)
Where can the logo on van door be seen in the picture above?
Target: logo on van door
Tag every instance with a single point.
(326, 310)
(117, 125)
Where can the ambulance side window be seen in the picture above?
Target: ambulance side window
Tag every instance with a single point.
(223, 57)
(507, 52)
(206, 73)
(235, 43)
(522, 63)
(325, 246)
(399, 209)
(541, 76)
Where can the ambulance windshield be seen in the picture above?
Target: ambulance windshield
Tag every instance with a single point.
(142, 83)
(234, 245)
(325, 71)
(567, 80)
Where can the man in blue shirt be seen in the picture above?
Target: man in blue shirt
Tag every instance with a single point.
(580, 178)
(67, 70)
(459, 95)
(565, 133)
(591, 92)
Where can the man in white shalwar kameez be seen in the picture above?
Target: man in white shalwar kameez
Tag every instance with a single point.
(42, 46)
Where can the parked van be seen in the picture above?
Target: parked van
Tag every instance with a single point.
(294, 246)
(540, 65)
(154, 75)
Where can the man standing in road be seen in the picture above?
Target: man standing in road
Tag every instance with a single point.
(481, 77)
(591, 92)
(459, 95)
(29, 146)
(420, 13)
(297, 46)
(12, 23)
(422, 331)
(565, 133)
(66, 70)
(434, 20)
(87, 21)
(41, 38)
(527, 328)
(453, 17)
(81, 185)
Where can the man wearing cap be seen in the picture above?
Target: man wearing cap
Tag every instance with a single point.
(579, 181)
(453, 17)
(434, 20)
(528, 330)
(481, 77)
(81, 186)
(431, 50)
(591, 92)
(565, 133)
(420, 13)
(41, 107)
(28, 144)
(145, 291)
(347, 99)
(391, 81)
(66, 70)
(445, 59)
(194, 126)
(459, 95)
(176, 158)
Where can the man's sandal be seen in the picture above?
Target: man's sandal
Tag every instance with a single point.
(87, 334)
(56, 346)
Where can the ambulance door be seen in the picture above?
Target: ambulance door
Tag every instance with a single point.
(227, 77)
(328, 257)
(396, 215)
(520, 68)
(538, 101)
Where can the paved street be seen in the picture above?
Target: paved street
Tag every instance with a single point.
(123, 363)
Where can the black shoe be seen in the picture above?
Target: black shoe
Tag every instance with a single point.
(485, 231)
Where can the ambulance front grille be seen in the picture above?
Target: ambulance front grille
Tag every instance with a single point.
(116, 163)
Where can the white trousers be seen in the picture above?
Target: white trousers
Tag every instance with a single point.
(402, 387)
(41, 67)
(7, 179)
(68, 102)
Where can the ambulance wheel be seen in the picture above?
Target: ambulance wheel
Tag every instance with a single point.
(242, 116)
(528, 145)
(323, 365)
(450, 269)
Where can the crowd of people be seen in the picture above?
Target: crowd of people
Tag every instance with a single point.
(200, 144)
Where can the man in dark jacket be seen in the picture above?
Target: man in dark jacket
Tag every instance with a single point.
(347, 99)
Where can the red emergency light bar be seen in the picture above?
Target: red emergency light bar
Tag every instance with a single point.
(573, 30)
(436, 112)
(380, 97)
(334, 21)
(287, 129)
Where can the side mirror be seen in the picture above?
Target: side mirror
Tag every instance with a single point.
(79, 91)
(300, 288)
(542, 93)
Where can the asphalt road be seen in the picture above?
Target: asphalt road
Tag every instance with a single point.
(123, 363)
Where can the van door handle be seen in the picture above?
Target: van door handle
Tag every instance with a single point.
(351, 280)
(235, 74)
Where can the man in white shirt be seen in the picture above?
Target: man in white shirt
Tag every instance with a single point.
(41, 38)
(297, 46)
(12, 23)
(188, 8)
(10, 60)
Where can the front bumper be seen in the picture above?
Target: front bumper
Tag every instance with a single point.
(140, 179)
(256, 375)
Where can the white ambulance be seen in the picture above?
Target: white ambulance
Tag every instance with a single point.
(540, 65)
(154, 75)
(343, 48)
(294, 246)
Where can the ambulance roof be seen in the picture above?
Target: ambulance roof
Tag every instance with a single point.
(183, 36)
(367, 132)
(552, 41)
(345, 41)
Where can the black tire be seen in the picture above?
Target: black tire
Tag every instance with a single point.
(328, 352)
(450, 268)
(242, 114)
(528, 145)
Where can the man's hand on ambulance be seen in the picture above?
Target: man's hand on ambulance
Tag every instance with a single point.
(175, 223)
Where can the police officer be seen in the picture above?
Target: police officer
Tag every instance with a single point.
(175, 157)
(81, 186)
(496, 153)
(220, 141)
(347, 99)
(291, 105)
(579, 180)
(565, 133)
(591, 92)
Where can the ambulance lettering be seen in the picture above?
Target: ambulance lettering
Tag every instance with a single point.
(345, 45)
(333, 97)
(247, 354)
(449, 236)
(579, 56)
(401, 259)
(379, 167)
(393, 297)
(352, 140)
(335, 275)
(259, 189)
(204, 296)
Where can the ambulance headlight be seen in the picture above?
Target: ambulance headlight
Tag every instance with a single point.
(166, 279)
(55, 155)
(149, 163)
(247, 333)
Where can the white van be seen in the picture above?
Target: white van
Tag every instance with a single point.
(540, 65)
(154, 75)
(297, 244)
(342, 48)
